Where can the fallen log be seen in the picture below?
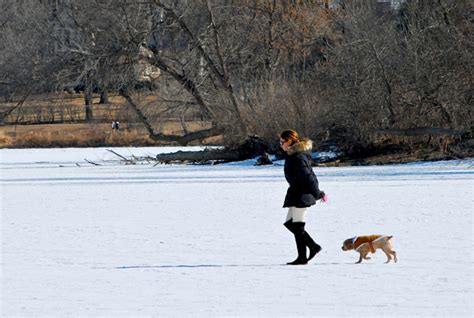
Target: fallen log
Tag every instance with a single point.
(202, 156)
(253, 147)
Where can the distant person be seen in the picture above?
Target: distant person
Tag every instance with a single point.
(115, 125)
(302, 193)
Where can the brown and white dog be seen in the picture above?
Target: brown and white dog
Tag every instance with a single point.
(370, 243)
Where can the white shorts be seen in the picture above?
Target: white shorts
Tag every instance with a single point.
(296, 214)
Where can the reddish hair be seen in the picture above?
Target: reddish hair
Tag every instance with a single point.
(291, 135)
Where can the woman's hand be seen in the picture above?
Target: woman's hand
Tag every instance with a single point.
(323, 197)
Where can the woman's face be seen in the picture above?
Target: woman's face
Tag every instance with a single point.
(284, 144)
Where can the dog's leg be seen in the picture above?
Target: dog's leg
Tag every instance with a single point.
(391, 251)
(365, 252)
(387, 252)
(394, 255)
(360, 259)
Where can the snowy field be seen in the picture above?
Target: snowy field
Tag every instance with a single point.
(116, 240)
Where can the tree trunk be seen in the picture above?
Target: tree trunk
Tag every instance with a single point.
(104, 97)
(88, 100)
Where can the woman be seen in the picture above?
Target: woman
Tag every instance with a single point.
(302, 193)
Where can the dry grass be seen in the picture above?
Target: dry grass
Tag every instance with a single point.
(87, 135)
(57, 120)
(72, 135)
(5, 140)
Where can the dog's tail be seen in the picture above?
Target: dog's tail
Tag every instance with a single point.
(389, 237)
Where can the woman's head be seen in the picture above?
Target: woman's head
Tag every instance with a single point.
(288, 138)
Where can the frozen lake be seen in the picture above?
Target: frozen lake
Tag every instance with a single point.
(79, 240)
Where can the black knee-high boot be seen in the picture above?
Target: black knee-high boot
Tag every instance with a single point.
(289, 225)
(300, 243)
(306, 239)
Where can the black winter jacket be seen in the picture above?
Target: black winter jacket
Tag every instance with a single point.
(304, 188)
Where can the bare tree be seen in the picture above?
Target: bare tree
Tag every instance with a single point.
(327, 68)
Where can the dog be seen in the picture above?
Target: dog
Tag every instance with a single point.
(370, 243)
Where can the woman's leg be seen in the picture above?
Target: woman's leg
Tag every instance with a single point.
(306, 239)
(289, 220)
(298, 228)
(294, 215)
(294, 218)
(289, 215)
(298, 214)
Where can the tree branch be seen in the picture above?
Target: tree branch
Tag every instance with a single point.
(181, 139)
(9, 111)
(186, 82)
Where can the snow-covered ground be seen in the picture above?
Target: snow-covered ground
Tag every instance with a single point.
(79, 240)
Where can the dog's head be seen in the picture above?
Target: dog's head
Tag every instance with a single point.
(348, 245)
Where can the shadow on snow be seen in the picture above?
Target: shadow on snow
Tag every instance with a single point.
(219, 265)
